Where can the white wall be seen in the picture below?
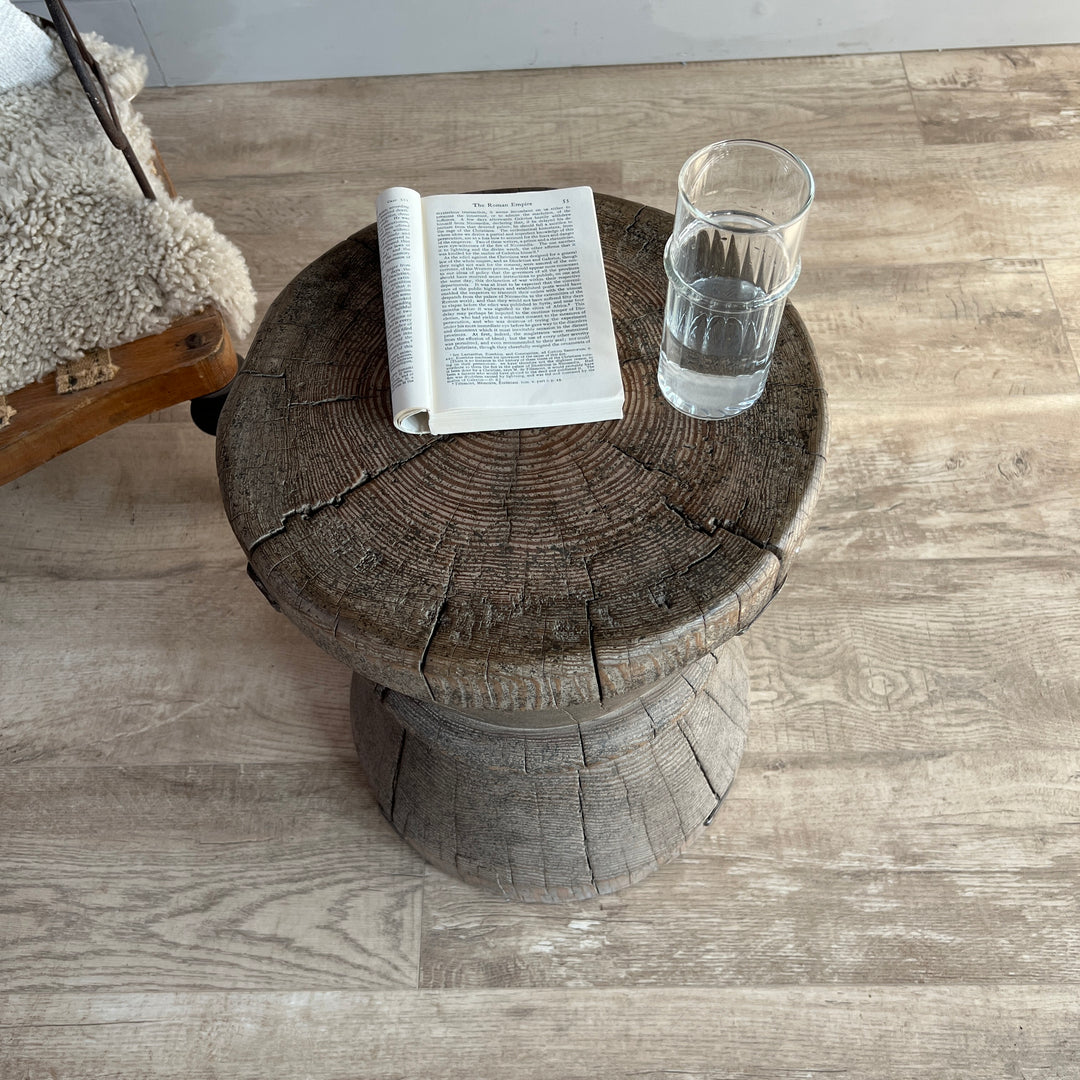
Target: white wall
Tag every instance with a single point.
(208, 41)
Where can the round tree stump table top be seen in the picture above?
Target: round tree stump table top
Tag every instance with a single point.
(549, 570)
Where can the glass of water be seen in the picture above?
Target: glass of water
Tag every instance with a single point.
(732, 259)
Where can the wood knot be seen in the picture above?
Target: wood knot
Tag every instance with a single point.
(1016, 468)
(195, 340)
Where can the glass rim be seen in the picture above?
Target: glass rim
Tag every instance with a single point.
(779, 151)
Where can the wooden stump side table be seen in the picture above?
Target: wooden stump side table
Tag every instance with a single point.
(549, 694)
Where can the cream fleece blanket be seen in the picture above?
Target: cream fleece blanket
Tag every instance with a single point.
(85, 260)
(27, 56)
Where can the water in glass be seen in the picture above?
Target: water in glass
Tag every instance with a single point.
(714, 364)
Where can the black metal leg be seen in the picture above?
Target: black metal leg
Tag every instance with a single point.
(206, 410)
(261, 587)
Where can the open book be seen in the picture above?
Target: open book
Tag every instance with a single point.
(497, 312)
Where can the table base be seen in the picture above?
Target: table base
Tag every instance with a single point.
(562, 812)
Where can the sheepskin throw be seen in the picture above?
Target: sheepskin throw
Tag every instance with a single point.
(86, 261)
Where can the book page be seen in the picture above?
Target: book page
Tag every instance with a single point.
(519, 303)
(404, 286)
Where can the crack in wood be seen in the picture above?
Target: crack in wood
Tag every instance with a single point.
(357, 569)
(642, 817)
(509, 863)
(592, 651)
(699, 560)
(427, 645)
(733, 530)
(585, 834)
(741, 626)
(600, 504)
(640, 347)
(393, 782)
(646, 240)
(646, 465)
(693, 750)
(508, 494)
(487, 678)
(545, 681)
(728, 526)
(288, 555)
(543, 838)
(447, 588)
(709, 529)
(553, 697)
(640, 211)
(309, 510)
(397, 774)
(727, 715)
(591, 632)
(671, 794)
(652, 719)
(442, 536)
(626, 796)
(333, 400)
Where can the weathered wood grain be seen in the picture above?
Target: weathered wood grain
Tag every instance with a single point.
(984, 477)
(880, 206)
(937, 332)
(906, 656)
(840, 661)
(792, 884)
(202, 877)
(1064, 278)
(583, 114)
(955, 1032)
(995, 95)
(140, 501)
(546, 811)
(198, 669)
(931, 480)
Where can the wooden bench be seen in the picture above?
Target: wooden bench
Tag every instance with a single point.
(190, 358)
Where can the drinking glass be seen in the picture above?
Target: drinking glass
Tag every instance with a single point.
(732, 259)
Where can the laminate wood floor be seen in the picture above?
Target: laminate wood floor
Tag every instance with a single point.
(194, 879)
